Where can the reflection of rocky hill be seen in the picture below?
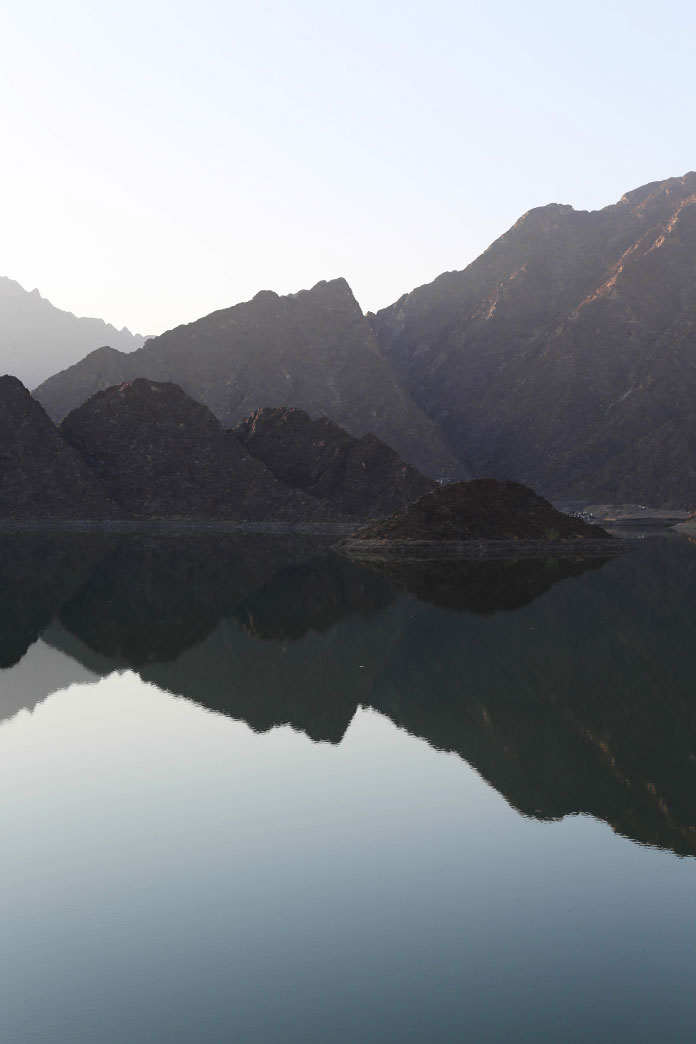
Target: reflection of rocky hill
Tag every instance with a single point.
(43, 670)
(313, 595)
(580, 700)
(481, 586)
(38, 573)
(314, 683)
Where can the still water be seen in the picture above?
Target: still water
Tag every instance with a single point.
(250, 791)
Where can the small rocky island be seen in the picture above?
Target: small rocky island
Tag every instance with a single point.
(484, 518)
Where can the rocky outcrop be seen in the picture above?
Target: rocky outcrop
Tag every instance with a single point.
(41, 475)
(483, 509)
(563, 357)
(162, 455)
(360, 477)
(36, 339)
(314, 349)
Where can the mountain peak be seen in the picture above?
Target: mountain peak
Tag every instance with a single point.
(561, 352)
(11, 385)
(163, 455)
(38, 339)
(314, 349)
(363, 477)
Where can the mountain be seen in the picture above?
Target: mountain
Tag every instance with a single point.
(362, 477)
(36, 338)
(162, 455)
(483, 509)
(565, 356)
(314, 349)
(41, 475)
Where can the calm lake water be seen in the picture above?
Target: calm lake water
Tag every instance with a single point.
(252, 792)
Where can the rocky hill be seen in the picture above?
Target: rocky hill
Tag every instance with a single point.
(565, 356)
(314, 349)
(483, 509)
(162, 455)
(36, 338)
(362, 477)
(41, 475)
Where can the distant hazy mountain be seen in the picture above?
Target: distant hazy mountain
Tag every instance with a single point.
(565, 356)
(36, 339)
(314, 350)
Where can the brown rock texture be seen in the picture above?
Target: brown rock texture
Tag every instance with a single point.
(565, 355)
(41, 475)
(483, 509)
(314, 349)
(162, 455)
(361, 477)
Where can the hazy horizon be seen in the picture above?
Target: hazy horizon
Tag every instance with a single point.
(165, 162)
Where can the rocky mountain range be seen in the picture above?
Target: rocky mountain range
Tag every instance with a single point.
(362, 477)
(37, 339)
(565, 356)
(41, 475)
(562, 357)
(146, 450)
(314, 350)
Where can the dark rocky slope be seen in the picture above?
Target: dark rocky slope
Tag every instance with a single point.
(41, 475)
(162, 455)
(565, 356)
(36, 339)
(362, 477)
(483, 509)
(314, 349)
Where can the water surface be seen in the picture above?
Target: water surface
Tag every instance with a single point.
(254, 792)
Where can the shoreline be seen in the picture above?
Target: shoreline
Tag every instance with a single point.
(443, 550)
(176, 526)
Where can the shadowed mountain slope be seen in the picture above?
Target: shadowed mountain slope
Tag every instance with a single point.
(41, 475)
(162, 455)
(314, 349)
(565, 355)
(36, 339)
(361, 477)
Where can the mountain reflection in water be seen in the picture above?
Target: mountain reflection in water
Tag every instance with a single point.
(569, 688)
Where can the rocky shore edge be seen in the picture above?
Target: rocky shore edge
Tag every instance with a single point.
(434, 550)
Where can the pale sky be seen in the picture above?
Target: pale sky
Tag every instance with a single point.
(161, 160)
